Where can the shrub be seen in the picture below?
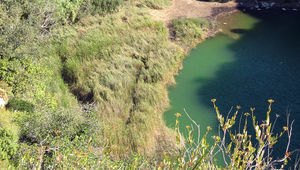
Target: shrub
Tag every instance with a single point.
(8, 139)
(72, 10)
(190, 31)
(37, 126)
(68, 9)
(20, 105)
(8, 143)
(238, 150)
(103, 6)
(47, 135)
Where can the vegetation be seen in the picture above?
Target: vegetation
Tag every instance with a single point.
(87, 85)
(238, 150)
(154, 4)
(8, 137)
(190, 31)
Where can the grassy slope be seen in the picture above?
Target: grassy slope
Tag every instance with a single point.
(125, 61)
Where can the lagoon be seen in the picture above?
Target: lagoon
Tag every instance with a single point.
(254, 58)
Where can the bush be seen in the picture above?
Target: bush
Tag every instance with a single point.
(103, 6)
(19, 105)
(8, 139)
(37, 126)
(190, 31)
(72, 10)
(8, 143)
(56, 133)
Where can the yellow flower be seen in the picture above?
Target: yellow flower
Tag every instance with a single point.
(252, 109)
(247, 114)
(285, 128)
(239, 135)
(209, 128)
(177, 114)
(263, 125)
(238, 107)
(217, 138)
(271, 101)
(187, 127)
(213, 100)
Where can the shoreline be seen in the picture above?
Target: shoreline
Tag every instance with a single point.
(197, 9)
(212, 10)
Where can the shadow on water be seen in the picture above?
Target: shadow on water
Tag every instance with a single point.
(239, 31)
(266, 66)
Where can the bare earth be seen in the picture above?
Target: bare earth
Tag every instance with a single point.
(192, 9)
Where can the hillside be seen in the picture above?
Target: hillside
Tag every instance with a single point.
(87, 81)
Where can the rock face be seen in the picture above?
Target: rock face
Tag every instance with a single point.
(3, 98)
(2, 103)
(284, 5)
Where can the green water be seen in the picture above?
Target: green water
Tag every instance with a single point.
(257, 57)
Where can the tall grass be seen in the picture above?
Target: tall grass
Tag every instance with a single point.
(123, 62)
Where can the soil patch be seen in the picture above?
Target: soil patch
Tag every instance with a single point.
(193, 9)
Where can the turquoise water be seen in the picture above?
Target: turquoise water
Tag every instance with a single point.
(256, 58)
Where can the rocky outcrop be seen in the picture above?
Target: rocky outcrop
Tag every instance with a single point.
(284, 5)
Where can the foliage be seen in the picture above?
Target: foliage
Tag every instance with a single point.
(8, 138)
(8, 143)
(104, 6)
(190, 31)
(68, 10)
(238, 150)
(58, 135)
(59, 59)
(72, 10)
(20, 105)
(154, 4)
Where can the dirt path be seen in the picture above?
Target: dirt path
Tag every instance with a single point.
(192, 9)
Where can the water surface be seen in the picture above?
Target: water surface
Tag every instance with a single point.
(256, 58)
